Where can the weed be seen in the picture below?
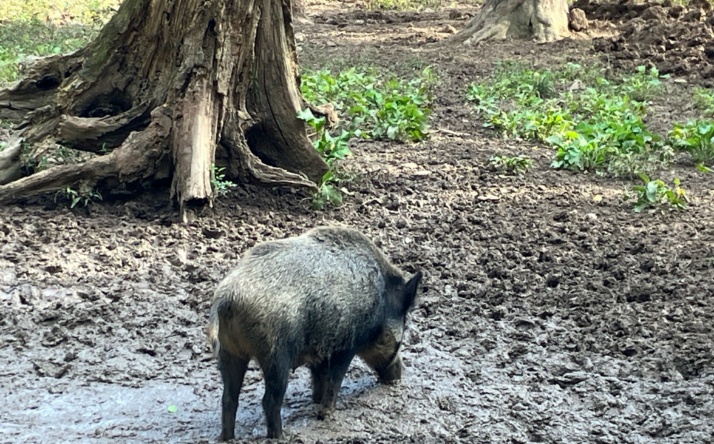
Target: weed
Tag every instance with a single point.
(83, 195)
(513, 165)
(656, 192)
(327, 193)
(631, 164)
(332, 148)
(644, 84)
(380, 109)
(68, 155)
(695, 137)
(42, 164)
(704, 101)
(593, 123)
(221, 185)
(376, 108)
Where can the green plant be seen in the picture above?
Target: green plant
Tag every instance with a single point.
(697, 138)
(515, 164)
(218, 179)
(376, 108)
(332, 149)
(37, 158)
(593, 122)
(643, 84)
(42, 164)
(576, 151)
(83, 195)
(327, 192)
(398, 114)
(656, 192)
(389, 109)
(68, 155)
(704, 101)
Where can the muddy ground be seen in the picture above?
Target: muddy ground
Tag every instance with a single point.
(550, 311)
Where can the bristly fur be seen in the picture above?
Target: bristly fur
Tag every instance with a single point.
(317, 299)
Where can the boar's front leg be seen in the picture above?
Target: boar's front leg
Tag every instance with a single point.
(330, 375)
(233, 370)
(276, 373)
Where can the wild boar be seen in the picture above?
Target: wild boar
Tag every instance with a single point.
(317, 300)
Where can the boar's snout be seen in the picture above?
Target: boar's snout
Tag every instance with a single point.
(392, 373)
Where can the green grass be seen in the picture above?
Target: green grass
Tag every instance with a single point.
(43, 27)
(58, 11)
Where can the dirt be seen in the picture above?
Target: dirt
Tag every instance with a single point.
(674, 38)
(550, 311)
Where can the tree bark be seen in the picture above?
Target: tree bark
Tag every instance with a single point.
(222, 72)
(541, 20)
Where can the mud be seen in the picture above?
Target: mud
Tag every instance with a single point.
(550, 312)
(675, 39)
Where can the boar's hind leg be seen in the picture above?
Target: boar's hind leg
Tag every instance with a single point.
(319, 378)
(276, 375)
(232, 370)
(327, 379)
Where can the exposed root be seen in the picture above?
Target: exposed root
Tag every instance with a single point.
(135, 159)
(10, 167)
(97, 134)
(39, 88)
(249, 168)
(328, 111)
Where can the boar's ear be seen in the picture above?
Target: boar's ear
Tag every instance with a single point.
(410, 291)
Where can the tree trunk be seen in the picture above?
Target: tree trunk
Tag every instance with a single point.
(542, 20)
(174, 84)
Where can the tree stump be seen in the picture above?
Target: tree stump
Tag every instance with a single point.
(166, 86)
(541, 20)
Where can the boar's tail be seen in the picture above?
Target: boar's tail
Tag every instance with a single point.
(212, 328)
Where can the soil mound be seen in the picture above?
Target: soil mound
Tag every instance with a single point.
(675, 39)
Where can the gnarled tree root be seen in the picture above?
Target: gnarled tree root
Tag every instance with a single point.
(135, 159)
(10, 168)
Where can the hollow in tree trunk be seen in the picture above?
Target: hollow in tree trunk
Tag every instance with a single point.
(166, 88)
(541, 20)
